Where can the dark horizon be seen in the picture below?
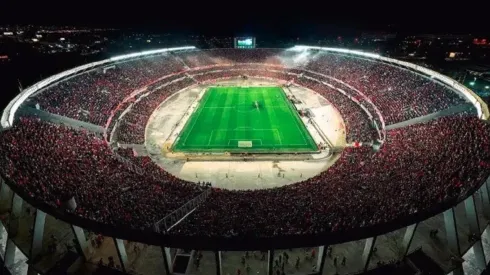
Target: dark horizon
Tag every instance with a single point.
(235, 18)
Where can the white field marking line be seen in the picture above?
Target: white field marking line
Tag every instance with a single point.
(262, 144)
(302, 132)
(217, 107)
(279, 136)
(288, 106)
(296, 118)
(302, 136)
(237, 139)
(248, 111)
(230, 107)
(210, 136)
(197, 118)
(245, 128)
(270, 107)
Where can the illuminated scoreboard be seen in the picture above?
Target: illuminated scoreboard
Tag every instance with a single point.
(244, 42)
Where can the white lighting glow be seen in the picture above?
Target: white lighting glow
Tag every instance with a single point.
(481, 108)
(8, 114)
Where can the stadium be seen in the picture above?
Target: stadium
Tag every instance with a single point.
(304, 160)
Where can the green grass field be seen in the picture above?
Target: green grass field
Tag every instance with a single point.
(245, 119)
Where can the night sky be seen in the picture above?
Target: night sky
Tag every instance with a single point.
(256, 17)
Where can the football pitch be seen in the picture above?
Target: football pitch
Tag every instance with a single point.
(245, 119)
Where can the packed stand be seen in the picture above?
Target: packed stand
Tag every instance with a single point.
(53, 163)
(358, 127)
(240, 71)
(400, 94)
(145, 162)
(93, 95)
(133, 124)
(216, 75)
(213, 57)
(425, 164)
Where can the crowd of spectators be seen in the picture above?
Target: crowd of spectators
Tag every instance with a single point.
(92, 96)
(241, 71)
(53, 163)
(213, 57)
(398, 93)
(145, 162)
(133, 124)
(423, 164)
(357, 124)
(216, 75)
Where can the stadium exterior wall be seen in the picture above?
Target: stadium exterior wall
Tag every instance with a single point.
(149, 236)
(271, 244)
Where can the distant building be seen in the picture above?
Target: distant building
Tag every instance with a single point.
(377, 36)
(482, 71)
(481, 42)
(461, 37)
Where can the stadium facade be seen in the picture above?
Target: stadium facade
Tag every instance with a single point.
(462, 215)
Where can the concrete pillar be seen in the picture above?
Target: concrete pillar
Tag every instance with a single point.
(451, 231)
(480, 261)
(485, 199)
(270, 262)
(121, 253)
(408, 237)
(1, 230)
(81, 242)
(472, 217)
(38, 234)
(16, 205)
(322, 253)
(452, 238)
(4, 190)
(9, 253)
(16, 211)
(167, 260)
(368, 252)
(217, 255)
